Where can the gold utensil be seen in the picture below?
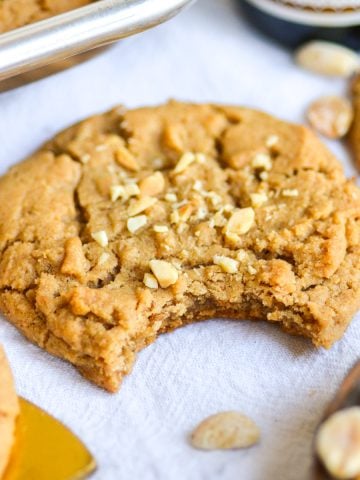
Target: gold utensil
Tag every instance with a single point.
(46, 450)
(347, 396)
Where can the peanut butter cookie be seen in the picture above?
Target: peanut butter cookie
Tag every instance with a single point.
(17, 13)
(354, 133)
(133, 223)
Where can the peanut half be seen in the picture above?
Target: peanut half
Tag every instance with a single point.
(327, 58)
(338, 443)
(225, 430)
(332, 116)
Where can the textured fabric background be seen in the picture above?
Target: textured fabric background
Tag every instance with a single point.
(283, 383)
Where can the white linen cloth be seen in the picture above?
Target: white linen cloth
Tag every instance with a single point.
(207, 53)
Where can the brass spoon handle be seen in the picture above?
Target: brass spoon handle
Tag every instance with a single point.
(348, 394)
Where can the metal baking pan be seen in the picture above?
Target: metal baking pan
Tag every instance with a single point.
(40, 49)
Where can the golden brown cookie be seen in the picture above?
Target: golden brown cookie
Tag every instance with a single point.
(9, 409)
(17, 13)
(133, 223)
(354, 133)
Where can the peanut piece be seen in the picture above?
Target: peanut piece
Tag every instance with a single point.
(150, 281)
(165, 273)
(332, 116)
(140, 205)
(225, 430)
(101, 238)
(185, 160)
(240, 221)
(227, 264)
(135, 223)
(152, 185)
(328, 58)
(338, 443)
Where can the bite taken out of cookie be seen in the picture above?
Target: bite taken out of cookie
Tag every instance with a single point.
(133, 223)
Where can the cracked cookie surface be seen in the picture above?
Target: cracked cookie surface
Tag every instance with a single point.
(17, 13)
(133, 223)
(9, 409)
